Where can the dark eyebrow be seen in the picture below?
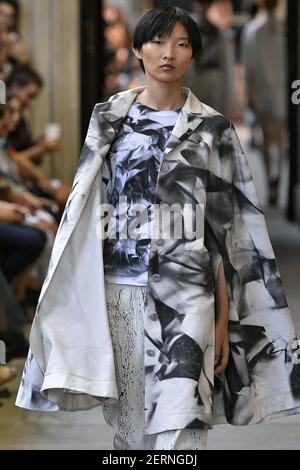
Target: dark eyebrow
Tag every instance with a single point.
(183, 37)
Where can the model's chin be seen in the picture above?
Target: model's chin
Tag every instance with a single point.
(167, 79)
(166, 76)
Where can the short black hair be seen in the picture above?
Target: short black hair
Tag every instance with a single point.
(23, 75)
(161, 21)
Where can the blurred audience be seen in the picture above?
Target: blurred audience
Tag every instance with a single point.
(211, 73)
(264, 58)
(122, 69)
(7, 374)
(13, 50)
(13, 318)
(26, 84)
(31, 202)
(35, 179)
(220, 13)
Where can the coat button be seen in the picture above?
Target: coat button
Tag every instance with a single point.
(190, 236)
(150, 352)
(164, 168)
(156, 277)
(154, 316)
(160, 242)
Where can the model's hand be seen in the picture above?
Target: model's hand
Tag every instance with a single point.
(221, 346)
(221, 321)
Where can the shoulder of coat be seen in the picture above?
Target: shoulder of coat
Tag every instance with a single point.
(125, 94)
(209, 111)
(122, 97)
(112, 98)
(215, 118)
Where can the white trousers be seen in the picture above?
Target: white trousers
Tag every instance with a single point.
(125, 304)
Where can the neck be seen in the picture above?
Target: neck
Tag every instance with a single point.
(162, 96)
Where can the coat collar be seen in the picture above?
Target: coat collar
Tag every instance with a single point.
(115, 110)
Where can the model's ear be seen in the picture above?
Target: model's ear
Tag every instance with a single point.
(137, 53)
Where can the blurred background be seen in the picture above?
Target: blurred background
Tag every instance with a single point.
(58, 58)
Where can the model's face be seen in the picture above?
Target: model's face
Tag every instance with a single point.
(174, 49)
(7, 17)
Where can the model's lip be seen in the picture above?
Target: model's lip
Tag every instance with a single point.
(167, 66)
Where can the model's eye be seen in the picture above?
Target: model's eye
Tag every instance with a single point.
(156, 41)
(183, 44)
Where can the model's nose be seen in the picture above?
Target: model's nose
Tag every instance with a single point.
(169, 53)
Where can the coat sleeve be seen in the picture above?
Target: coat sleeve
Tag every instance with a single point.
(263, 343)
(239, 231)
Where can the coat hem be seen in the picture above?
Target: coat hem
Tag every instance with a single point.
(179, 421)
(65, 392)
(267, 408)
(78, 384)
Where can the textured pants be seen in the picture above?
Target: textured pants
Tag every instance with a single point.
(125, 305)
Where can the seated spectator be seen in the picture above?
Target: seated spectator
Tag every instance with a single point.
(13, 49)
(16, 190)
(26, 85)
(20, 245)
(12, 321)
(7, 374)
(35, 179)
(18, 213)
(7, 332)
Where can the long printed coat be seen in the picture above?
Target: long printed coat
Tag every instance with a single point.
(70, 365)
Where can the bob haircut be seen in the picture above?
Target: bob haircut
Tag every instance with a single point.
(160, 22)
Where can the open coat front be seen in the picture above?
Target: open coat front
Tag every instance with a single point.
(70, 365)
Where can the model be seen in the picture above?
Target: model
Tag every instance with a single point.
(185, 323)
